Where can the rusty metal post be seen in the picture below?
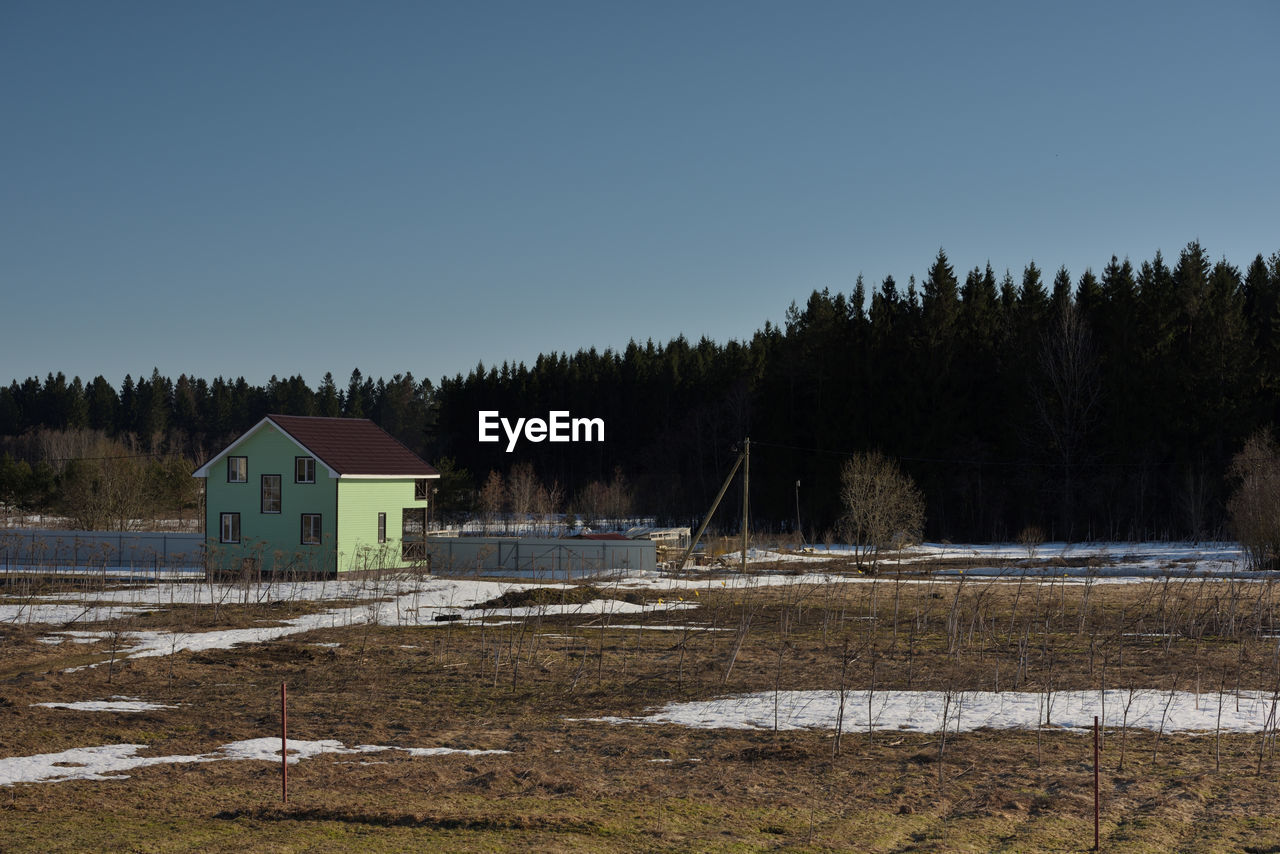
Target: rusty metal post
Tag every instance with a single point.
(1097, 841)
(284, 744)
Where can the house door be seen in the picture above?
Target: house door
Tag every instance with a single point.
(413, 533)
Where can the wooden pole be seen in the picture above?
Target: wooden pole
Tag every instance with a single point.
(746, 491)
(1097, 840)
(284, 744)
(693, 543)
(799, 530)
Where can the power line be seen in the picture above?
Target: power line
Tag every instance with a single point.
(991, 462)
(154, 455)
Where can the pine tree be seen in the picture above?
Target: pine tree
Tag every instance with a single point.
(102, 403)
(941, 302)
(327, 403)
(1262, 315)
(1060, 300)
(1033, 300)
(354, 402)
(1089, 297)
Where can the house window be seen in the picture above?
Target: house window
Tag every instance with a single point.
(311, 529)
(304, 469)
(271, 493)
(382, 527)
(420, 489)
(237, 469)
(229, 526)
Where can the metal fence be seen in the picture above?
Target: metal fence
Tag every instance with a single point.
(536, 557)
(52, 550)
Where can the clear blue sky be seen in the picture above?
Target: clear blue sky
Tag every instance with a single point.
(234, 188)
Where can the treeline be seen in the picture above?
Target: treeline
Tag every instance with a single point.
(104, 458)
(1104, 406)
(194, 417)
(1107, 406)
(101, 484)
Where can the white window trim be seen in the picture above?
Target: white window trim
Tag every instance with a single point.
(262, 495)
(223, 518)
(319, 529)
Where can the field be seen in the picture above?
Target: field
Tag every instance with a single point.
(699, 712)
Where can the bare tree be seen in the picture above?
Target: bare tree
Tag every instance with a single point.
(882, 507)
(590, 502)
(106, 489)
(618, 497)
(57, 447)
(522, 489)
(1254, 507)
(1031, 538)
(492, 497)
(599, 502)
(548, 501)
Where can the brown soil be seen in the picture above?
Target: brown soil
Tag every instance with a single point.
(571, 784)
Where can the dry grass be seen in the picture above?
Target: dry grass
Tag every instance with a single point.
(580, 786)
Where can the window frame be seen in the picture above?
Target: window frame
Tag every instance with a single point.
(318, 533)
(262, 497)
(382, 528)
(299, 478)
(223, 519)
(421, 488)
(244, 474)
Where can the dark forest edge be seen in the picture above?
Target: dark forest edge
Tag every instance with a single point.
(1105, 407)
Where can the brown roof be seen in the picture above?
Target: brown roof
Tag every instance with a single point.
(353, 445)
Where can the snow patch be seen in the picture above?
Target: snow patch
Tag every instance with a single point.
(119, 704)
(965, 711)
(109, 761)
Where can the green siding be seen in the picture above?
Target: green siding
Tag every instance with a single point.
(359, 503)
(348, 511)
(275, 539)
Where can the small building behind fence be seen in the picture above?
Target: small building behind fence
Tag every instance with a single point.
(539, 558)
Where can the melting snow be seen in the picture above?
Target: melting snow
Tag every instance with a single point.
(923, 711)
(108, 761)
(119, 704)
(414, 604)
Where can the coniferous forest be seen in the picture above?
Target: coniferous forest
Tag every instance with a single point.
(1103, 406)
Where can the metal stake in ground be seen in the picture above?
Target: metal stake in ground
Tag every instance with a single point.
(1097, 844)
(284, 744)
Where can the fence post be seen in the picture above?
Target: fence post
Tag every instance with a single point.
(1097, 841)
(284, 744)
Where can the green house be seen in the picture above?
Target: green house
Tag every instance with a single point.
(317, 496)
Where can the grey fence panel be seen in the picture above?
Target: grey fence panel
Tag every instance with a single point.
(539, 557)
(55, 549)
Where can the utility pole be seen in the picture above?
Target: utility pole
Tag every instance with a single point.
(744, 459)
(693, 543)
(799, 530)
(746, 492)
